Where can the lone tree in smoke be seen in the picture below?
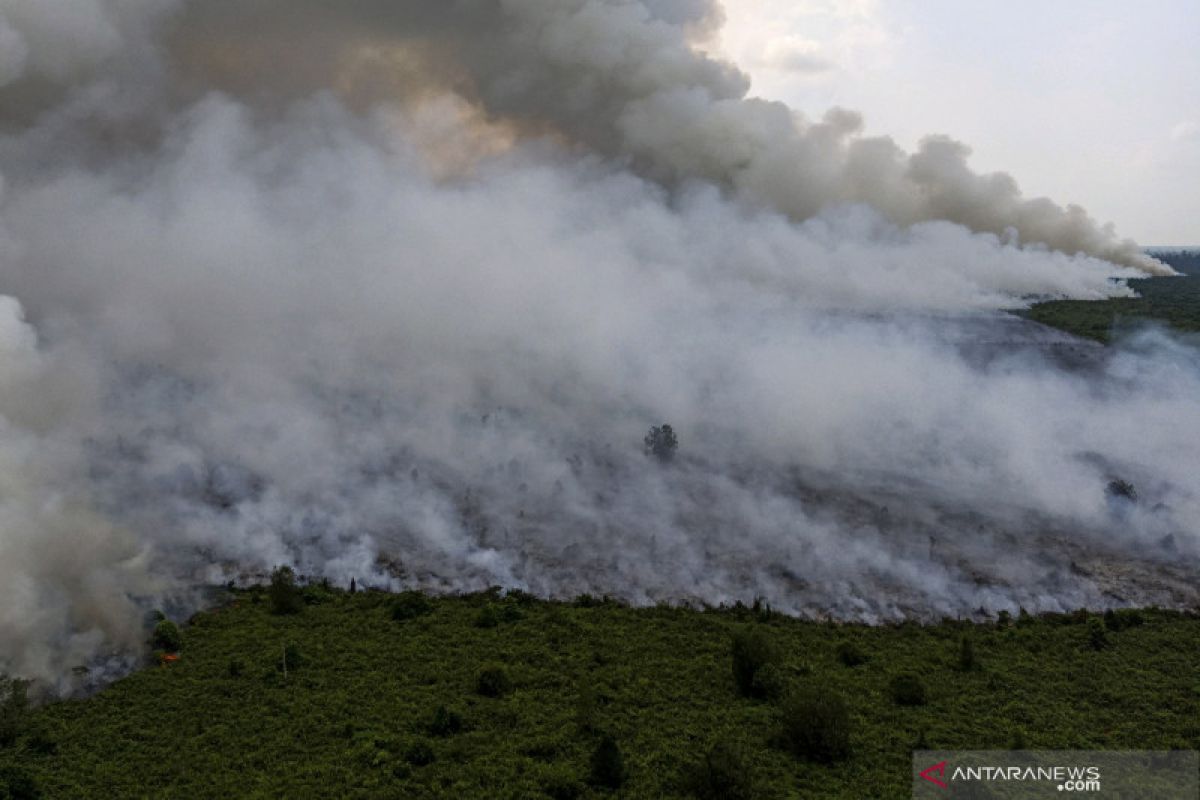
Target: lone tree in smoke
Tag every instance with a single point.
(1122, 489)
(661, 442)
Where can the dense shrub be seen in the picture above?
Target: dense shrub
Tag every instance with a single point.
(907, 690)
(419, 754)
(1117, 620)
(1097, 635)
(816, 726)
(492, 681)
(723, 774)
(522, 598)
(410, 605)
(236, 667)
(493, 614)
(849, 654)
(769, 682)
(283, 595)
(445, 722)
(559, 782)
(17, 784)
(14, 709)
(291, 658)
(488, 617)
(608, 765)
(751, 651)
(587, 712)
(167, 636)
(318, 594)
(966, 655)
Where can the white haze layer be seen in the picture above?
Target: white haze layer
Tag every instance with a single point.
(347, 290)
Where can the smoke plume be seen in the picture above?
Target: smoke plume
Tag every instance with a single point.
(392, 291)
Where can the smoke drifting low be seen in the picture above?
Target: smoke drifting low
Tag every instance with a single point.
(393, 292)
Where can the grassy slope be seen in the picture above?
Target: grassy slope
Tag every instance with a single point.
(1175, 301)
(345, 723)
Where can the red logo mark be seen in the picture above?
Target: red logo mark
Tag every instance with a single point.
(940, 769)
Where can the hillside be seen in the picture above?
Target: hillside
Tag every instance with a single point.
(1173, 301)
(382, 698)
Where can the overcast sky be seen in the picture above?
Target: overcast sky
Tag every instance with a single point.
(1088, 101)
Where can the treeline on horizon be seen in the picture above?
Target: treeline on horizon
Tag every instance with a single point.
(1174, 302)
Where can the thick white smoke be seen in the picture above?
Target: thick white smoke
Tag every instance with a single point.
(400, 301)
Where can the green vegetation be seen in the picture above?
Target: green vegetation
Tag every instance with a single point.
(608, 765)
(1174, 301)
(753, 654)
(967, 660)
(167, 636)
(723, 774)
(492, 681)
(411, 605)
(850, 654)
(14, 709)
(815, 725)
(283, 595)
(908, 690)
(580, 697)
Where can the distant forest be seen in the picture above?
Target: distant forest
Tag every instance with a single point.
(1172, 301)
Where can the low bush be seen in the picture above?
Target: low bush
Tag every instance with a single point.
(907, 689)
(723, 774)
(445, 722)
(410, 605)
(17, 784)
(849, 654)
(966, 655)
(488, 617)
(492, 681)
(167, 637)
(559, 782)
(587, 709)
(291, 659)
(815, 725)
(1097, 635)
(770, 682)
(493, 614)
(318, 594)
(607, 765)
(419, 754)
(751, 651)
(1120, 619)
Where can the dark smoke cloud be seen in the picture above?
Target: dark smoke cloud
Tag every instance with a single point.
(392, 291)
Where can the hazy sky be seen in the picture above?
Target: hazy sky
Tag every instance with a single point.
(1088, 101)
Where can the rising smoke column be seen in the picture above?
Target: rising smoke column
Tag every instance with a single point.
(393, 291)
(622, 79)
